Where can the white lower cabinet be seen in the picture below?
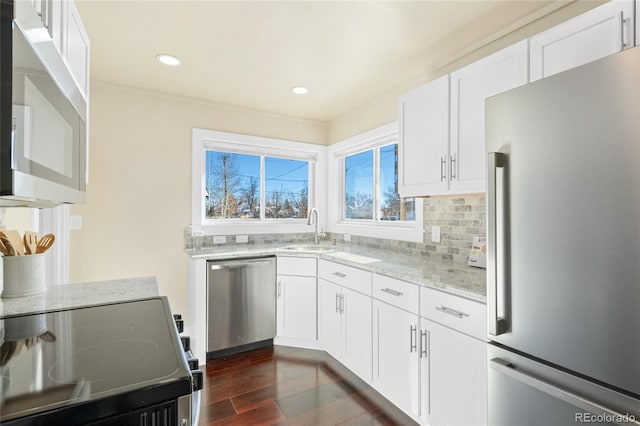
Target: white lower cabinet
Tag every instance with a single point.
(396, 356)
(345, 326)
(296, 307)
(329, 318)
(454, 385)
(296, 316)
(420, 348)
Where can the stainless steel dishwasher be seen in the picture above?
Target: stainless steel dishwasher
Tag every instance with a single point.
(241, 305)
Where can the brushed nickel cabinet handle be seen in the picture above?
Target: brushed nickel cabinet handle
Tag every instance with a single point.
(339, 274)
(391, 291)
(423, 346)
(413, 345)
(450, 311)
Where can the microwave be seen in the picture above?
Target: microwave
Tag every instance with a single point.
(43, 115)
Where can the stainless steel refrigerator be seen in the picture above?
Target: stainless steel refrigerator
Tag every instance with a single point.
(563, 273)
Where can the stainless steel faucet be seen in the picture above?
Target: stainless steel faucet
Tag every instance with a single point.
(319, 232)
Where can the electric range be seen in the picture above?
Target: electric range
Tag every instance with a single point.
(114, 364)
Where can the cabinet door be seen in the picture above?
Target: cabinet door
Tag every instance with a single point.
(470, 86)
(329, 327)
(395, 356)
(457, 377)
(296, 307)
(356, 327)
(57, 9)
(593, 35)
(424, 140)
(76, 50)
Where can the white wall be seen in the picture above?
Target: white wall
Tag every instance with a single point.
(139, 192)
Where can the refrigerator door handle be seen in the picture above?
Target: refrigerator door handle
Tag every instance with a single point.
(495, 323)
(578, 401)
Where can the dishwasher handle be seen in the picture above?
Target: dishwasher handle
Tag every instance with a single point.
(239, 264)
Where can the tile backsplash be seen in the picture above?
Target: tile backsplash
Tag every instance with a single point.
(460, 218)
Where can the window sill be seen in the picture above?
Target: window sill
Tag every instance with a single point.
(232, 227)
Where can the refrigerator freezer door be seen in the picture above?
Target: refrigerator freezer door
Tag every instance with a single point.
(527, 393)
(566, 275)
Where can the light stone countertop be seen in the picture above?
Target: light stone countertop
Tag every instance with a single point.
(461, 280)
(81, 294)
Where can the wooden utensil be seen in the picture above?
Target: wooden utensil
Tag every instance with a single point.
(30, 241)
(16, 241)
(3, 249)
(11, 251)
(45, 243)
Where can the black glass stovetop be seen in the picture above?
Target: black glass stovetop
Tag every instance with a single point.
(107, 358)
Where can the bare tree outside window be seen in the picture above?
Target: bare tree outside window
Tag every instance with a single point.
(359, 175)
(233, 185)
(286, 187)
(392, 207)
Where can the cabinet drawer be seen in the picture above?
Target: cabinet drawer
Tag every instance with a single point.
(464, 315)
(399, 293)
(301, 266)
(353, 278)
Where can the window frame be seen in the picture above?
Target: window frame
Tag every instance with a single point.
(211, 140)
(397, 230)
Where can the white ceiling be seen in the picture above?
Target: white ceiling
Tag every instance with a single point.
(250, 53)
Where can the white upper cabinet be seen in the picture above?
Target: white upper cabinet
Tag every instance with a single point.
(593, 35)
(76, 47)
(470, 86)
(64, 24)
(423, 128)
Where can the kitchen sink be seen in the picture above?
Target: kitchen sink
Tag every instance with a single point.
(308, 249)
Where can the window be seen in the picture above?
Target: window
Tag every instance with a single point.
(363, 188)
(234, 185)
(371, 185)
(248, 184)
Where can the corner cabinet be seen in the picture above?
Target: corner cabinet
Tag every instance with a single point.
(602, 31)
(470, 86)
(344, 320)
(423, 128)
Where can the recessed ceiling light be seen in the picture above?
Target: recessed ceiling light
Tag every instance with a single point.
(168, 60)
(299, 90)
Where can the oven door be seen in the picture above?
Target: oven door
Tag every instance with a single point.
(43, 156)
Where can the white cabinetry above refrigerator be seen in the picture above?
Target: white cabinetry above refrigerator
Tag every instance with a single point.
(600, 32)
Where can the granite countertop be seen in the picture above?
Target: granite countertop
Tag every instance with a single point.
(462, 280)
(81, 294)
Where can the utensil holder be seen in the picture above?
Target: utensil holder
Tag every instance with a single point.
(23, 275)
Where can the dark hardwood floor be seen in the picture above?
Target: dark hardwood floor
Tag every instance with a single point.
(290, 386)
